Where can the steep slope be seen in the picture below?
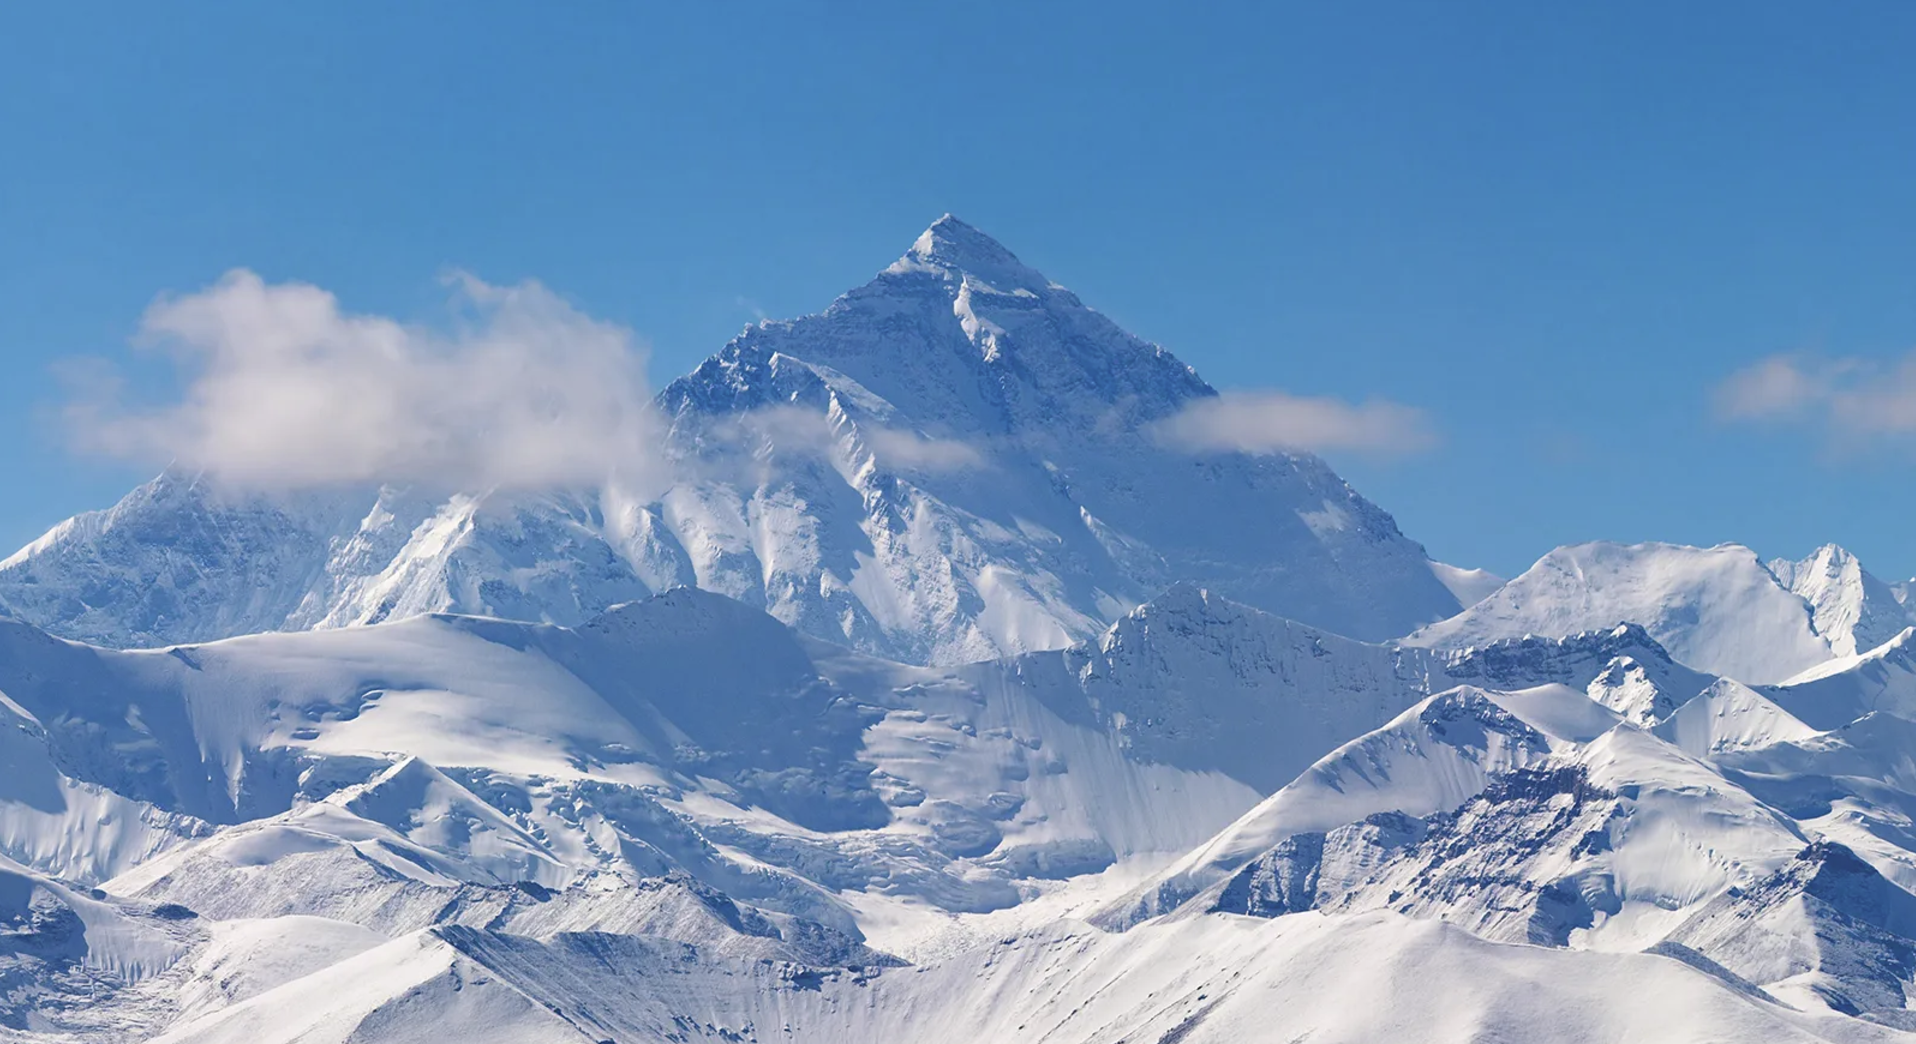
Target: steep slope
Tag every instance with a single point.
(1728, 835)
(1842, 690)
(1854, 611)
(1195, 680)
(952, 462)
(1715, 609)
(1729, 716)
(64, 950)
(1065, 508)
(1621, 667)
(1340, 981)
(1470, 586)
(1430, 758)
(182, 559)
(685, 820)
(684, 734)
(1827, 926)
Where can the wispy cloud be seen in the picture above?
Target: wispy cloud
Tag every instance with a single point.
(1847, 397)
(283, 389)
(1278, 422)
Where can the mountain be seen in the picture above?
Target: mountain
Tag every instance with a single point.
(955, 461)
(1355, 979)
(634, 778)
(1842, 690)
(686, 820)
(1854, 611)
(1775, 864)
(937, 699)
(1715, 609)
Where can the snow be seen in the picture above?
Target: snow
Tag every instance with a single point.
(247, 957)
(1429, 758)
(936, 701)
(950, 463)
(1470, 586)
(528, 832)
(1715, 609)
(1853, 610)
(1730, 716)
(1373, 977)
(1827, 695)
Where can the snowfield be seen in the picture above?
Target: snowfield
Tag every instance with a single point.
(938, 700)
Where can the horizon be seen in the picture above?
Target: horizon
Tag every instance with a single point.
(1620, 284)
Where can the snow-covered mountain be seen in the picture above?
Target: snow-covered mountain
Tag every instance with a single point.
(686, 818)
(1538, 816)
(955, 461)
(936, 699)
(388, 830)
(635, 776)
(1718, 609)
(1853, 611)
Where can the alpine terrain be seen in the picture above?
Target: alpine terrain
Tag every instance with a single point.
(939, 695)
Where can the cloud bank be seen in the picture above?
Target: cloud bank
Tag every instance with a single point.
(1277, 422)
(1848, 398)
(282, 389)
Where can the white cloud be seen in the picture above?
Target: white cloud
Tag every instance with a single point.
(1276, 422)
(284, 390)
(1778, 386)
(907, 451)
(1847, 397)
(751, 307)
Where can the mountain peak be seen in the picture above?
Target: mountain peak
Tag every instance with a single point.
(956, 247)
(1853, 610)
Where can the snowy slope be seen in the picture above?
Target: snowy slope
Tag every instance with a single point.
(1715, 609)
(1730, 835)
(936, 699)
(1193, 679)
(1470, 586)
(1854, 611)
(1344, 980)
(416, 761)
(684, 820)
(952, 462)
(1432, 757)
(1071, 510)
(1841, 690)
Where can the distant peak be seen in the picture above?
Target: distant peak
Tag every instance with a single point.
(959, 248)
(1833, 555)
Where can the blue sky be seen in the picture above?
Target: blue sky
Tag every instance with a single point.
(1556, 232)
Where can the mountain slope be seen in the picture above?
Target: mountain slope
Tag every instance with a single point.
(1343, 981)
(1469, 585)
(417, 758)
(684, 820)
(1715, 609)
(1854, 611)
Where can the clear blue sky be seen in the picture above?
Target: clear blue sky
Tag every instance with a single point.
(1555, 230)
